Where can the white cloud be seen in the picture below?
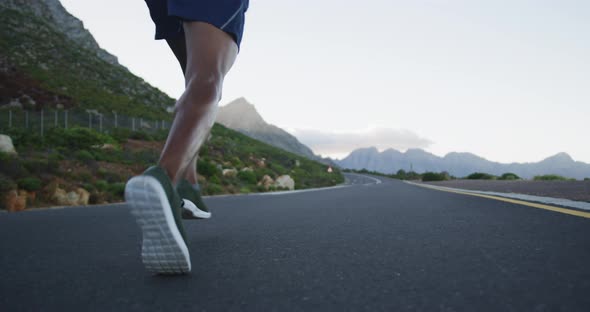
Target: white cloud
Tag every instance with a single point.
(338, 144)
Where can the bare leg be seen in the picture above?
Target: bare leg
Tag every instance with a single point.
(210, 54)
(178, 47)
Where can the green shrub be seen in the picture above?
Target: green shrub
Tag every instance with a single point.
(6, 184)
(550, 177)
(247, 176)
(30, 184)
(13, 167)
(215, 179)
(245, 190)
(260, 188)
(77, 138)
(586, 179)
(481, 176)
(109, 176)
(433, 176)
(206, 168)
(89, 187)
(84, 156)
(121, 135)
(140, 135)
(35, 166)
(509, 176)
(84, 176)
(279, 169)
(24, 138)
(212, 189)
(101, 185)
(236, 162)
(53, 163)
(260, 173)
(117, 189)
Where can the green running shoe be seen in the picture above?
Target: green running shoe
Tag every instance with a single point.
(193, 206)
(156, 206)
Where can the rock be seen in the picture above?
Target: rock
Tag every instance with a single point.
(261, 163)
(285, 181)
(27, 101)
(79, 197)
(229, 172)
(6, 145)
(83, 196)
(15, 202)
(29, 196)
(72, 198)
(246, 169)
(60, 197)
(266, 181)
(15, 103)
(108, 147)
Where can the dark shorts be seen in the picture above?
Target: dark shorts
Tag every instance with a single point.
(227, 15)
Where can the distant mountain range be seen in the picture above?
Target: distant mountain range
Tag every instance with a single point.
(459, 164)
(242, 116)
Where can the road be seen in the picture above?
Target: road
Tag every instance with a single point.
(369, 246)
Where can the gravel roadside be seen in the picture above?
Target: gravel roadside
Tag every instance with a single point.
(572, 190)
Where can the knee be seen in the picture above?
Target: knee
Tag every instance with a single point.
(204, 89)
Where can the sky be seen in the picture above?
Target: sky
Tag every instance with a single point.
(506, 80)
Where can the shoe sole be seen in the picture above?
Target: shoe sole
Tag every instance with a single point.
(191, 211)
(163, 249)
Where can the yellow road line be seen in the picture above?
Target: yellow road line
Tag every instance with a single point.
(513, 201)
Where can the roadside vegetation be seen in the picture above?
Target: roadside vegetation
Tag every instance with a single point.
(445, 176)
(408, 175)
(552, 177)
(95, 166)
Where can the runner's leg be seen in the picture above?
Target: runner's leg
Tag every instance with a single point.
(178, 47)
(210, 54)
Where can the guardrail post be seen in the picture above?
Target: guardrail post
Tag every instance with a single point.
(42, 119)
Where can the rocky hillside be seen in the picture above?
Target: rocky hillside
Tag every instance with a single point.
(48, 60)
(242, 116)
(80, 166)
(459, 164)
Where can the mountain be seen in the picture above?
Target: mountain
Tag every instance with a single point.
(48, 60)
(242, 116)
(53, 12)
(459, 164)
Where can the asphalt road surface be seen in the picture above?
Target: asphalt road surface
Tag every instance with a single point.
(368, 246)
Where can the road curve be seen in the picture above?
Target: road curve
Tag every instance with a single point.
(369, 246)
